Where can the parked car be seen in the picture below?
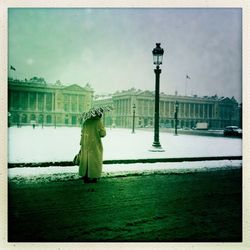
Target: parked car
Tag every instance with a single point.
(232, 131)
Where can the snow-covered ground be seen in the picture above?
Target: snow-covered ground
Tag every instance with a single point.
(61, 144)
(71, 173)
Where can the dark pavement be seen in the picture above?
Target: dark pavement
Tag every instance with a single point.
(190, 207)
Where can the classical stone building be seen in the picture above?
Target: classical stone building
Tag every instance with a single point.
(38, 103)
(217, 112)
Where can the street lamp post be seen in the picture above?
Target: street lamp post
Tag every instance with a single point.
(176, 116)
(133, 128)
(240, 122)
(157, 57)
(9, 119)
(55, 120)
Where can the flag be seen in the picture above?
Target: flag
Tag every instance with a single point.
(12, 68)
(188, 77)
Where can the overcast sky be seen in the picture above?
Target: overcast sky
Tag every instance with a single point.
(111, 49)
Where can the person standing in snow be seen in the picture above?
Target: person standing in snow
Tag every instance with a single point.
(91, 155)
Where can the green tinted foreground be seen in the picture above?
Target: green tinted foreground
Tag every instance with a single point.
(193, 207)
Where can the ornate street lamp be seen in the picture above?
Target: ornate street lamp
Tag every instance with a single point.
(176, 116)
(157, 58)
(133, 129)
(158, 55)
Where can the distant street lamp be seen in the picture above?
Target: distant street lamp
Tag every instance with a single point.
(55, 120)
(9, 119)
(133, 129)
(157, 58)
(176, 116)
(240, 114)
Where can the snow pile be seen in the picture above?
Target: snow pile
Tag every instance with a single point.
(47, 174)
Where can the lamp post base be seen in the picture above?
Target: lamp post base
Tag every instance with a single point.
(156, 147)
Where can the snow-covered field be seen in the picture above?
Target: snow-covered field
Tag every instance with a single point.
(61, 144)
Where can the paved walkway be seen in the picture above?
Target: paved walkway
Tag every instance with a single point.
(191, 207)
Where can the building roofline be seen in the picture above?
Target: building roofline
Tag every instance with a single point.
(34, 84)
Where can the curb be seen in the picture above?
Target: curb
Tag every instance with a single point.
(127, 161)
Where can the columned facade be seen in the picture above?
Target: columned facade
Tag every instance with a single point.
(217, 112)
(40, 104)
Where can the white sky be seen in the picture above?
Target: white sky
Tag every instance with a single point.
(111, 48)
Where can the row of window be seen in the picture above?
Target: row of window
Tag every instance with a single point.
(16, 118)
(30, 100)
(149, 122)
(40, 119)
(167, 123)
(73, 103)
(23, 100)
(146, 107)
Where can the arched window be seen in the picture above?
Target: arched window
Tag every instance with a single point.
(73, 120)
(24, 118)
(15, 118)
(66, 120)
(40, 119)
(33, 117)
(48, 119)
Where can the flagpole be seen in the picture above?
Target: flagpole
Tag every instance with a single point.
(186, 86)
(14, 72)
(187, 77)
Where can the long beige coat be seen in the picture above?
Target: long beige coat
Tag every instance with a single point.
(91, 148)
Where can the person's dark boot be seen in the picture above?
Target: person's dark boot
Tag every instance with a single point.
(92, 180)
(86, 179)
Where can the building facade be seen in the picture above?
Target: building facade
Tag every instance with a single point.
(38, 103)
(217, 112)
(41, 104)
